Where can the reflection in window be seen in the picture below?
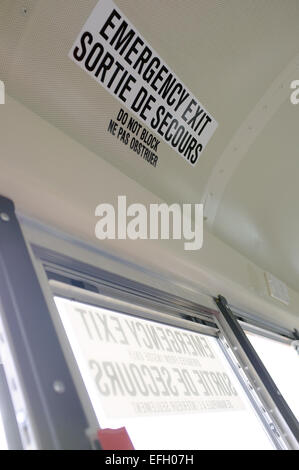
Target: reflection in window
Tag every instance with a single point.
(170, 387)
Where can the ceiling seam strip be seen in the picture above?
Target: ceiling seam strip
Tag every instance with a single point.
(245, 136)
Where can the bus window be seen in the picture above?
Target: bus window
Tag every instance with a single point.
(282, 363)
(3, 443)
(172, 388)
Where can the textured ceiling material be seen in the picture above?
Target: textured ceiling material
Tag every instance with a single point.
(229, 54)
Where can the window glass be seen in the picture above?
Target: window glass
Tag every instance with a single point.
(282, 362)
(3, 443)
(171, 388)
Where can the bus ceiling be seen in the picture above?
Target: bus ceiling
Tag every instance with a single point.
(221, 80)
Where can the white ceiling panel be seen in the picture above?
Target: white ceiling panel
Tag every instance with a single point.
(229, 54)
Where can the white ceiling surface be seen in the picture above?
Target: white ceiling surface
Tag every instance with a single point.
(229, 54)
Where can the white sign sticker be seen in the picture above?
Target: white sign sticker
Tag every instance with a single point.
(135, 367)
(111, 50)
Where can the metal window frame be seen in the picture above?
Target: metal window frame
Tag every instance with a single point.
(109, 290)
(91, 278)
(284, 425)
(253, 322)
(60, 416)
(247, 383)
(265, 333)
(52, 409)
(182, 317)
(107, 300)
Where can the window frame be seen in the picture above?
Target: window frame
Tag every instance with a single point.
(50, 251)
(149, 303)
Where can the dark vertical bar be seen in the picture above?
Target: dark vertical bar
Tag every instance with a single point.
(259, 367)
(56, 412)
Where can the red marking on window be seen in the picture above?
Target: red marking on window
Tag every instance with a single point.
(115, 439)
